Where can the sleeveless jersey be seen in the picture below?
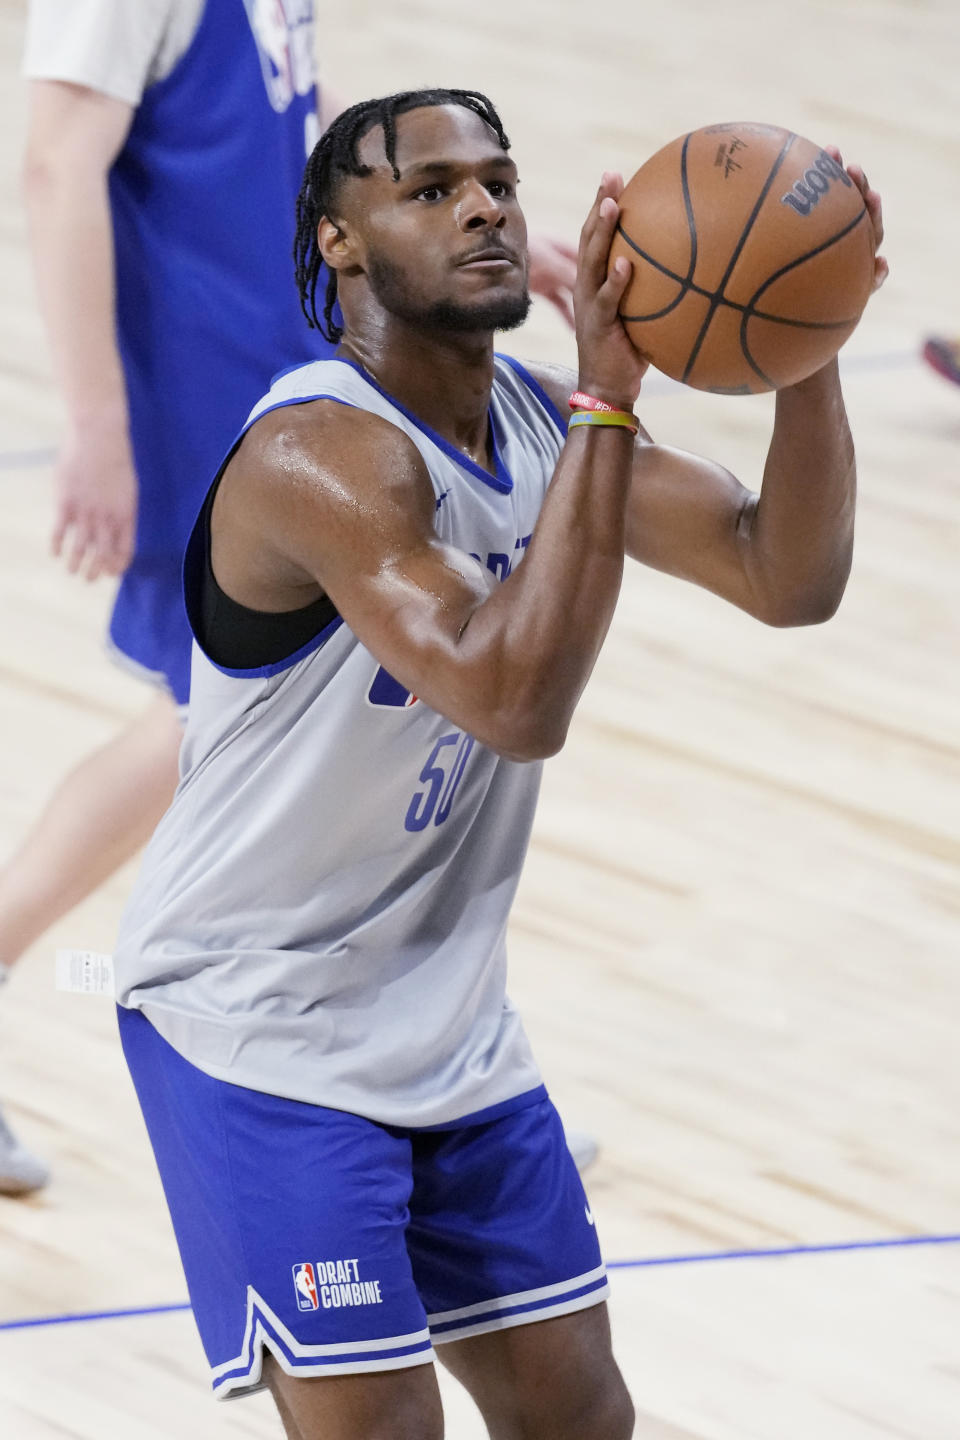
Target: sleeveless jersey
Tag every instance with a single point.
(321, 914)
(202, 197)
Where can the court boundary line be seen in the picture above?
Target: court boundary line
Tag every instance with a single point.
(648, 1263)
(781, 1252)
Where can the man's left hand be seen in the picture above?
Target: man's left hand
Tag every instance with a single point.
(873, 203)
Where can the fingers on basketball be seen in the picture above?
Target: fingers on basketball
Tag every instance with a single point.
(753, 257)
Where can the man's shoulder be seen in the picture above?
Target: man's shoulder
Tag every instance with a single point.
(324, 446)
(322, 421)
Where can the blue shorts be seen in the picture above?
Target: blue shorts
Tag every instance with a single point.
(344, 1246)
(149, 629)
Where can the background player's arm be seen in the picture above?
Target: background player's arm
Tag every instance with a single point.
(74, 136)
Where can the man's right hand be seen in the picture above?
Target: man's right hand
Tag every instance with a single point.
(610, 367)
(96, 499)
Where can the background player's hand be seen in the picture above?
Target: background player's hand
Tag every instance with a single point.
(610, 367)
(553, 272)
(871, 198)
(96, 500)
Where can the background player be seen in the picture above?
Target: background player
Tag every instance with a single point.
(320, 925)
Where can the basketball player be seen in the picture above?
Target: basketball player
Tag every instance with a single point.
(166, 144)
(399, 584)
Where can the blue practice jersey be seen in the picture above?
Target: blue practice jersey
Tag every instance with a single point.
(203, 200)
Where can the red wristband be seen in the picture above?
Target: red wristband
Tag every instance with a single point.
(579, 401)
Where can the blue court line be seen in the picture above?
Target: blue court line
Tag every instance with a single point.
(772, 1254)
(85, 1315)
(695, 1259)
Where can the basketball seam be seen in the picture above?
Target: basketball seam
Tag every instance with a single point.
(800, 259)
(797, 324)
(750, 312)
(684, 287)
(738, 248)
(685, 282)
(688, 205)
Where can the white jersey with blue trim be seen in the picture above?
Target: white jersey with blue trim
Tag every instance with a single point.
(322, 912)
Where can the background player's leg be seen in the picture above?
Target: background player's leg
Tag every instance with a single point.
(553, 1380)
(97, 818)
(383, 1405)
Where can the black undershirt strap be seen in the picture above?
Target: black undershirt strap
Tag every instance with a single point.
(239, 638)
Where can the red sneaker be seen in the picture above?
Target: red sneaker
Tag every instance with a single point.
(944, 357)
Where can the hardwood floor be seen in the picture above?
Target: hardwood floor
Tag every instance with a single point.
(737, 938)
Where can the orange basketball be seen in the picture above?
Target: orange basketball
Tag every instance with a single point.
(752, 257)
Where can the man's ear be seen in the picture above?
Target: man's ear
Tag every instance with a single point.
(335, 244)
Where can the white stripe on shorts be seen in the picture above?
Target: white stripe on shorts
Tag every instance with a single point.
(521, 1297)
(250, 1360)
(563, 1306)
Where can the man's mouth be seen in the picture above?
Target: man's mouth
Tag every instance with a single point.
(490, 255)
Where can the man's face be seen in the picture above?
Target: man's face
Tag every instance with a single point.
(445, 246)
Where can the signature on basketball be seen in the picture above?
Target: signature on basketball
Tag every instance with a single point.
(725, 154)
(806, 191)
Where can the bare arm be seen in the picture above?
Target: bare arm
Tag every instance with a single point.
(783, 555)
(505, 662)
(73, 138)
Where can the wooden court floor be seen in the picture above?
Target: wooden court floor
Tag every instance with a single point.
(737, 942)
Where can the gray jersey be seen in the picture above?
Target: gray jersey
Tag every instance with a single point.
(321, 913)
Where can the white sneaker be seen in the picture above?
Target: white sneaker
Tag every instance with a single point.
(20, 1172)
(583, 1148)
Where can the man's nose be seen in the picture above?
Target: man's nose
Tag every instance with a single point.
(480, 210)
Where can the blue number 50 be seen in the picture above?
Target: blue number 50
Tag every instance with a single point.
(436, 801)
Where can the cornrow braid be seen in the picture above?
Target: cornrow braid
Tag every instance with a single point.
(334, 156)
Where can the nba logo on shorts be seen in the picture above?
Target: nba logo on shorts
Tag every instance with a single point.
(306, 1287)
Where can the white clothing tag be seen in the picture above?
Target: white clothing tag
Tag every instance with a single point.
(84, 972)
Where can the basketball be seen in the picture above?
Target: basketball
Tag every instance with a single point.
(752, 256)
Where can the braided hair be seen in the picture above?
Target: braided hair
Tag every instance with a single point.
(334, 156)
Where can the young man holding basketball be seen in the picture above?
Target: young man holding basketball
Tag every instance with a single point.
(358, 1153)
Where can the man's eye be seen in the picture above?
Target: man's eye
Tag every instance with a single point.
(500, 189)
(429, 193)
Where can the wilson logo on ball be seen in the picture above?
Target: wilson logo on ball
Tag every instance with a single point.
(806, 191)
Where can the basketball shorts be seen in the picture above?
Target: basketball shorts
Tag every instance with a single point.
(344, 1246)
(149, 630)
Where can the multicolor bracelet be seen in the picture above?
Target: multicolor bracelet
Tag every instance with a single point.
(617, 418)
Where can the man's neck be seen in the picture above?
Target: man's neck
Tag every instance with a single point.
(445, 380)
